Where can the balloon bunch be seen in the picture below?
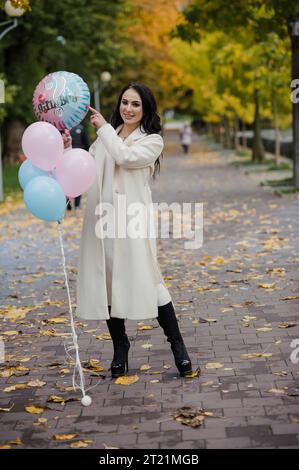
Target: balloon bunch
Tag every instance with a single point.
(50, 174)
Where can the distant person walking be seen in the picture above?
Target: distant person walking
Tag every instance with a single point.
(186, 137)
(80, 140)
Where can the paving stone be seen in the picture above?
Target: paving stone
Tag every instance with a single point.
(229, 443)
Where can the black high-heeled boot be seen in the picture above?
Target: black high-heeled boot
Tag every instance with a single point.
(121, 346)
(168, 321)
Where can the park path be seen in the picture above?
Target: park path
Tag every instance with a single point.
(237, 295)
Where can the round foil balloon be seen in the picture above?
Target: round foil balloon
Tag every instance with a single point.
(61, 99)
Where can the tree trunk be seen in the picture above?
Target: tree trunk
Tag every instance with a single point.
(216, 131)
(276, 128)
(13, 132)
(236, 132)
(258, 152)
(210, 129)
(220, 133)
(244, 136)
(227, 137)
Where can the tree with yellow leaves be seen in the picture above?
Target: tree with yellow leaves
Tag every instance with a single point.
(149, 32)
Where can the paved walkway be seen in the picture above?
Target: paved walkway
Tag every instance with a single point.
(244, 280)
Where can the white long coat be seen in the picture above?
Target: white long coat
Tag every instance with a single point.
(136, 276)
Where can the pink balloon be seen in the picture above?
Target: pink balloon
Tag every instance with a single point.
(42, 144)
(76, 172)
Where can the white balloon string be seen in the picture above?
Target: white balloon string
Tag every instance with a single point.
(78, 367)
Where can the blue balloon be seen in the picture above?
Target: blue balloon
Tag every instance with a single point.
(27, 171)
(45, 198)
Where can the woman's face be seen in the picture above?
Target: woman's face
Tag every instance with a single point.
(131, 107)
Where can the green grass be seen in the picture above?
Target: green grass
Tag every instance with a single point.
(11, 184)
(282, 182)
(283, 186)
(242, 153)
(250, 163)
(289, 191)
(245, 163)
(266, 165)
(279, 167)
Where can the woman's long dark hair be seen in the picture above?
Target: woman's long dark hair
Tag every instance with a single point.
(150, 119)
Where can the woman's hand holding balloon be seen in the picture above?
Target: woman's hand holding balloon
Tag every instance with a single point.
(67, 139)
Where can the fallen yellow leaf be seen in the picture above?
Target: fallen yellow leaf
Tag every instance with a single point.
(16, 442)
(12, 388)
(13, 314)
(214, 365)
(14, 370)
(34, 409)
(10, 333)
(287, 325)
(24, 359)
(264, 329)
(80, 444)
(40, 421)
(191, 416)
(36, 383)
(57, 320)
(218, 260)
(253, 355)
(56, 399)
(64, 437)
(127, 379)
(107, 446)
(278, 391)
(267, 286)
(145, 367)
(104, 336)
(93, 365)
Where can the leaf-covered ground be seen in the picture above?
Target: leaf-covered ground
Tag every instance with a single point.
(237, 302)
